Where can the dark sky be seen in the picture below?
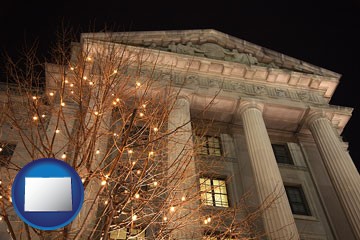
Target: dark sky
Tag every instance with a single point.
(324, 33)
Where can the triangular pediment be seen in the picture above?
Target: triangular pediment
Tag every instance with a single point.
(212, 44)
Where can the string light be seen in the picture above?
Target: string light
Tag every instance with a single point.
(57, 131)
(1, 218)
(66, 81)
(118, 99)
(51, 94)
(115, 71)
(10, 199)
(85, 77)
(35, 118)
(63, 104)
(96, 113)
(156, 129)
(151, 154)
(130, 151)
(138, 84)
(141, 114)
(72, 68)
(71, 85)
(103, 182)
(114, 103)
(97, 151)
(144, 105)
(205, 221)
(137, 196)
(106, 202)
(183, 198)
(43, 115)
(172, 209)
(88, 58)
(91, 83)
(34, 97)
(134, 217)
(72, 92)
(155, 183)
(0, 197)
(1, 151)
(63, 156)
(138, 172)
(165, 219)
(209, 219)
(83, 180)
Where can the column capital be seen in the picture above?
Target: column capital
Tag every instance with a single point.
(250, 103)
(315, 115)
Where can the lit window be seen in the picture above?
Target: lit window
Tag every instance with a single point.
(127, 233)
(210, 145)
(282, 153)
(297, 200)
(213, 192)
(6, 152)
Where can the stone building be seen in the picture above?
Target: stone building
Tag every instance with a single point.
(272, 126)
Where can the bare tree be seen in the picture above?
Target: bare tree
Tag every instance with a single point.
(103, 108)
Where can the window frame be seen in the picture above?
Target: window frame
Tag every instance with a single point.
(304, 202)
(5, 159)
(204, 195)
(204, 140)
(290, 160)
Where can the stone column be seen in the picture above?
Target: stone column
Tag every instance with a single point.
(278, 219)
(341, 169)
(182, 171)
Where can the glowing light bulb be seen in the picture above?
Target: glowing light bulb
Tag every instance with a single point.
(106, 202)
(138, 84)
(43, 115)
(72, 68)
(138, 172)
(130, 151)
(1, 151)
(156, 129)
(155, 183)
(83, 180)
(66, 81)
(57, 131)
(96, 113)
(63, 156)
(88, 58)
(205, 221)
(141, 114)
(85, 77)
(51, 94)
(172, 209)
(1, 218)
(63, 104)
(144, 105)
(35, 118)
(165, 219)
(118, 99)
(0, 197)
(137, 195)
(34, 97)
(103, 182)
(151, 154)
(209, 219)
(114, 103)
(115, 71)
(71, 85)
(134, 217)
(97, 151)
(183, 198)
(72, 92)
(91, 83)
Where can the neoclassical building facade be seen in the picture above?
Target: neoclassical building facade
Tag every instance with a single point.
(270, 123)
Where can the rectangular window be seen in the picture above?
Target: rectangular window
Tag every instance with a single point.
(210, 145)
(213, 192)
(282, 153)
(127, 233)
(297, 200)
(6, 152)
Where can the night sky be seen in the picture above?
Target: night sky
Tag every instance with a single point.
(321, 33)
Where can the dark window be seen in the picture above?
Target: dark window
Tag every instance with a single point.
(282, 153)
(213, 192)
(210, 145)
(6, 151)
(297, 200)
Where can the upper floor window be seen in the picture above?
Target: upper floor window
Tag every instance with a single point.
(297, 200)
(210, 145)
(213, 192)
(127, 233)
(282, 153)
(6, 152)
